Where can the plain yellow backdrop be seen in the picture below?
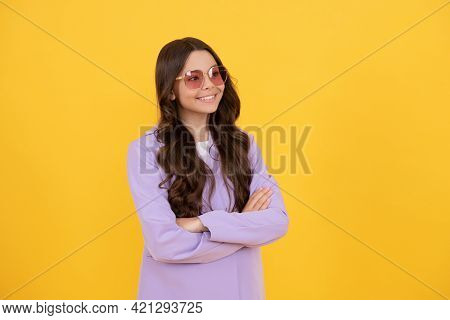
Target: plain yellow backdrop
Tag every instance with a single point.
(369, 78)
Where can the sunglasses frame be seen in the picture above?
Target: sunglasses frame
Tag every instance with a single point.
(188, 73)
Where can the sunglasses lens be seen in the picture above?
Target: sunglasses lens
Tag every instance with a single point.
(194, 79)
(218, 75)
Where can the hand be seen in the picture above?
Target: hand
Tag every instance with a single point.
(193, 225)
(259, 200)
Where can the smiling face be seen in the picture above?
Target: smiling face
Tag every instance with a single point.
(188, 99)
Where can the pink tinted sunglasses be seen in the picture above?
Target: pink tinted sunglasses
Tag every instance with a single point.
(194, 79)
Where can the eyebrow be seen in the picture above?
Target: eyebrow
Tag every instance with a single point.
(214, 65)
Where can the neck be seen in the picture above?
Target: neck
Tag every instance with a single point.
(197, 126)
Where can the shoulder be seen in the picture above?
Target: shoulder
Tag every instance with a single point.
(250, 135)
(147, 142)
(253, 145)
(254, 152)
(142, 151)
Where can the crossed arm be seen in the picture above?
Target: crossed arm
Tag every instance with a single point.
(217, 233)
(259, 200)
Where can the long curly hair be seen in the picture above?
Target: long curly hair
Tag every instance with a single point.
(186, 171)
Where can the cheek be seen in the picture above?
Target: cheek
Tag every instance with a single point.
(186, 96)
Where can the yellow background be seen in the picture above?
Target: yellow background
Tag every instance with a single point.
(371, 79)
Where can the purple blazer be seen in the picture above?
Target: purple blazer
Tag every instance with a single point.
(222, 263)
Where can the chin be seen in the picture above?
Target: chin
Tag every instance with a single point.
(205, 107)
(208, 109)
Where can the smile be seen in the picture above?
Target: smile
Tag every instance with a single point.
(208, 99)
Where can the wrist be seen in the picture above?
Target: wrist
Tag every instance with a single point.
(200, 226)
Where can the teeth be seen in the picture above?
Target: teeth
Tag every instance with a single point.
(207, 98)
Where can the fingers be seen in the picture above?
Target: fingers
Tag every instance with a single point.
(263, 199)
(259, 198)
(265, 204)
(257, 195)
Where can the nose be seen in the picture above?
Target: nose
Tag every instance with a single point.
(207, 82)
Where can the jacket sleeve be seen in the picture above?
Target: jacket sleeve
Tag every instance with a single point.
(164, 239)
(251, 228)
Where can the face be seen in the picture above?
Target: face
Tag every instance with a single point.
(188, 99)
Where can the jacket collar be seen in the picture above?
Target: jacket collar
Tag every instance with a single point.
(212, 147)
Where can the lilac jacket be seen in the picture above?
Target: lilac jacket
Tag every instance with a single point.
(222, 263)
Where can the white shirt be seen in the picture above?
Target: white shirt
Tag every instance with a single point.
(202, 147)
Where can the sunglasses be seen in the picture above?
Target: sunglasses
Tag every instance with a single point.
(194, 79)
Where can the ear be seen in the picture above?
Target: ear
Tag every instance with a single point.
(172, 96)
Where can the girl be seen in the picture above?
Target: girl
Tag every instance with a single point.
(204, 198)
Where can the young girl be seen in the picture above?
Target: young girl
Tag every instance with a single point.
(204, 198)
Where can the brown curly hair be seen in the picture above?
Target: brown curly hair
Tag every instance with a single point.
(177, 154)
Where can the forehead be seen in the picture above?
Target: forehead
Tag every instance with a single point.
(199, 60)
